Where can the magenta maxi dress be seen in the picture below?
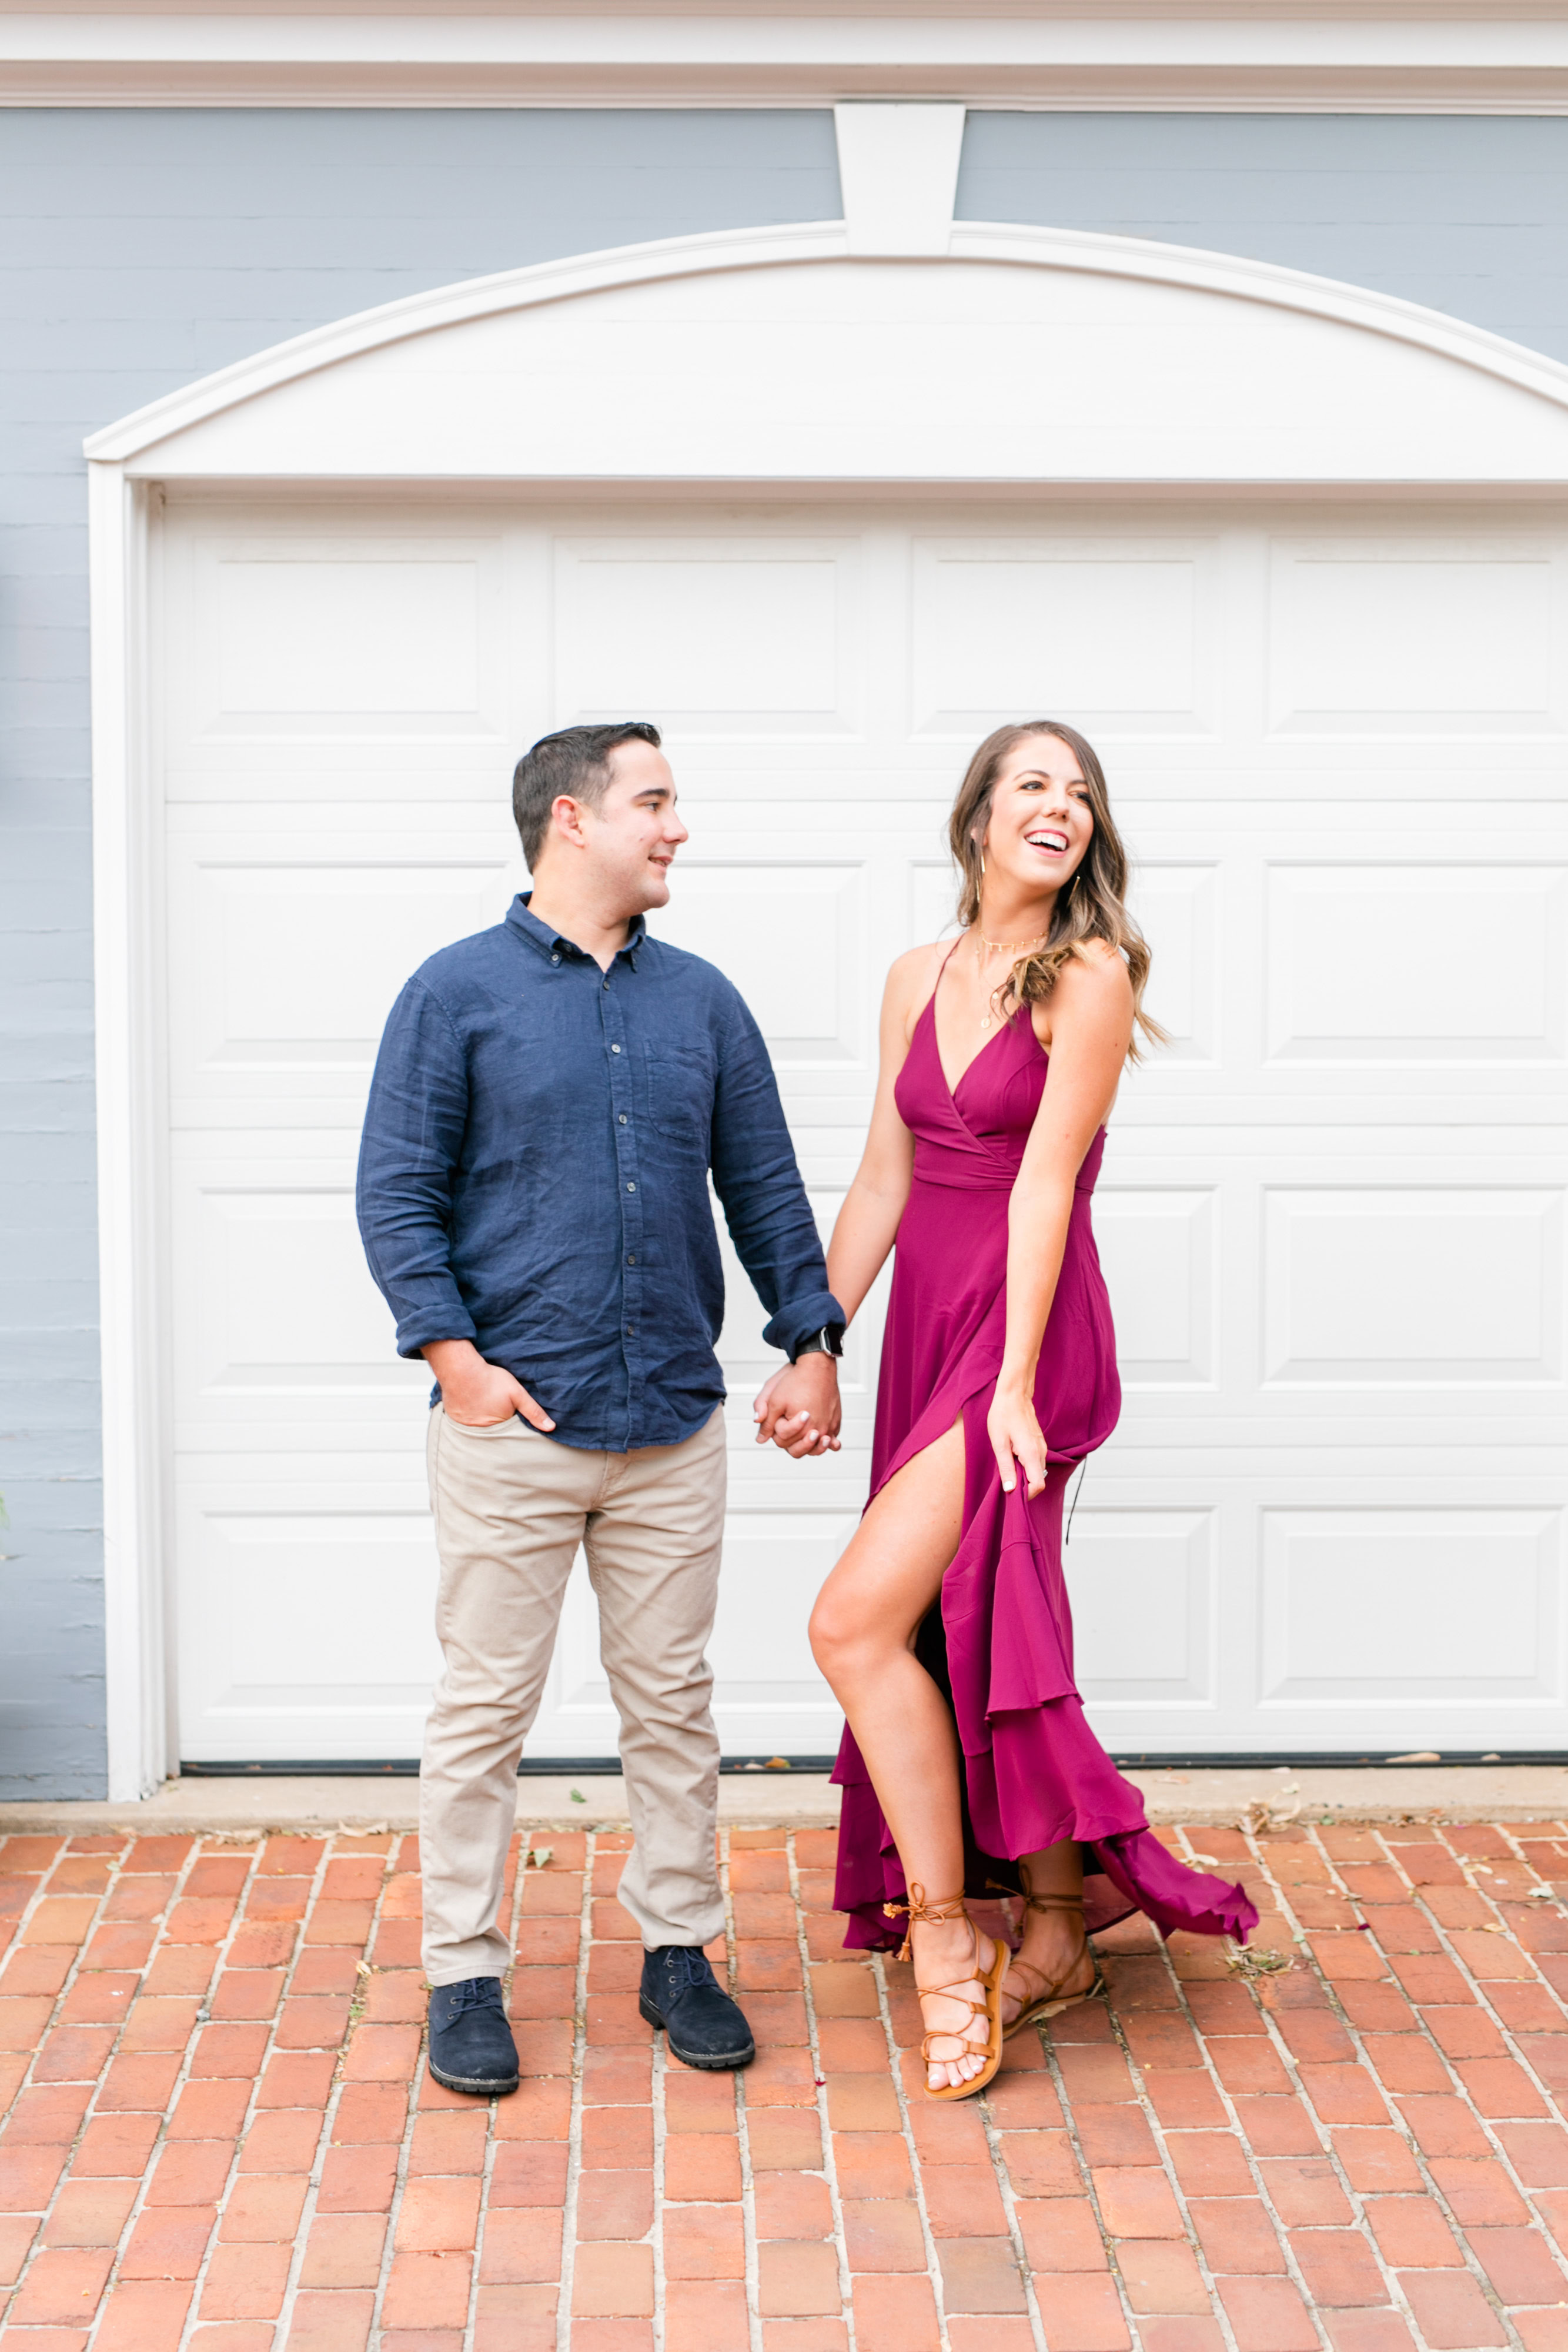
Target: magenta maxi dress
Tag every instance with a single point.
(1002, 1641)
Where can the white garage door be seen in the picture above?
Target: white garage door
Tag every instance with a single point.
(1331, 1213)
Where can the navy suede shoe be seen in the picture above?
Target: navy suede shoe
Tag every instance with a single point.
(471, 2045)
(703, 2026)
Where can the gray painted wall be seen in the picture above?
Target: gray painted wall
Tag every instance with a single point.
(1467, 214)
(139, 250)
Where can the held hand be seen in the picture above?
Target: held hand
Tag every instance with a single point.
(478, 1395)
(1016, 1439)
(798, 1408)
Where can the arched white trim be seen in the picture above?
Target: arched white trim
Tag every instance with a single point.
(1079, 251)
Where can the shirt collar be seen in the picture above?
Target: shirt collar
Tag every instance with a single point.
(540, 935)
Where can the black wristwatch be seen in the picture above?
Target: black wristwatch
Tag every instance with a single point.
(827, 1341)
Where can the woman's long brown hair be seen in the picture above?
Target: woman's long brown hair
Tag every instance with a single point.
(1089, 906)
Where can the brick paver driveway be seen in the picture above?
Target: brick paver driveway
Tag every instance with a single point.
(219, 2131)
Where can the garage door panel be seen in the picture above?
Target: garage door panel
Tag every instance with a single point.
(1006, 628)
(727, 637)
(1365, 961)
(1406, 1288)
(291, 941)
(1455, 1604)
(1410, 639)
(1143, 1585)
(357, 636)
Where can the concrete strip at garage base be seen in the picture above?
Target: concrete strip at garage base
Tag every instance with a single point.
(1462, 1792)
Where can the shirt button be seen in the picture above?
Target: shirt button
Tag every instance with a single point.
(606, 983)
(630, 1331)
(615, 1049)
(632, 1260)
(623, 1118)
(631, 1188)
(555, 958)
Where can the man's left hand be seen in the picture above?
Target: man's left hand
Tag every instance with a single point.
(800, 1410)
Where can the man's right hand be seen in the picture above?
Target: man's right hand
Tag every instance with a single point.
(477, 1394)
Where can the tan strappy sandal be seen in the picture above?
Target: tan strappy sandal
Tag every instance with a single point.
(953, 1907)
(1049, 2001)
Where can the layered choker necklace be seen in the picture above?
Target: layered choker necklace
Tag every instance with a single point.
(1014, 948)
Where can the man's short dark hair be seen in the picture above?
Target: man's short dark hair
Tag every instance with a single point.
(576, 763)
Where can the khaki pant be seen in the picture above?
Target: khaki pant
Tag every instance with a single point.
(511, 1508)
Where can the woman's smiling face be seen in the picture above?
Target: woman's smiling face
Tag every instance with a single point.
(1041, 818)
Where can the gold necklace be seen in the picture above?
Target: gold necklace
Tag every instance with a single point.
(1003, 947)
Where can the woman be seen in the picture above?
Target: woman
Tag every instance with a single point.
(998, 1375)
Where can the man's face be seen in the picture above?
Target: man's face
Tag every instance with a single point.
(634, 832)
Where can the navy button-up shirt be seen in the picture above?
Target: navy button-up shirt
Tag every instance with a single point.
(533, 1176)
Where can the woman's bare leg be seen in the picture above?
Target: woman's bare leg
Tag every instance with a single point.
(862, 1633)
(1053, 1945)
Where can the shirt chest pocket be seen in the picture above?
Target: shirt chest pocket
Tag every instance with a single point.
(680, 1094)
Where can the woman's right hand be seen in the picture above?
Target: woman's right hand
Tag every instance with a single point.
(477, 1395)
(1016, 1438)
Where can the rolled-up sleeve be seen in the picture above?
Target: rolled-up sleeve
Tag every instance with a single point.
(758, 1185)
(410, 1154)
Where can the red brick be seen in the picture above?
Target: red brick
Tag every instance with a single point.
(1450, 2310)
(1367, 2331)
(144, 2316)
(1305, 2193)
(1378, 2163)
(796, 2281)
(1519, 2265)
(612, 2281)
(1276, 2127)
(359, 2179)
(246, 2282)
(168, 2242)
(438, 2216)
(28, 2176)
(1237, 2234)
(142, 2083)
(426, 2293)
(1209, 2164)
(533, 2172)
(73, 2053)
(191, 2172)
(210, 2111)
(883, 2233)
(963, 2201)
(338, 2322)
(874, 2163)
(1114, 2135)
(1537, 2153)
(793, 2205)
(1081, 2312)
(115, 2145)
(90, 2213)
(1162, 2278)
(1267, 2315)
(1479, 2191)
(62, 2288)
(264, 2206)
(1136, 2203)
(617, 2204)
(1338, 2267)
(704, 2241)
(344, 2250)
(1412, 2233)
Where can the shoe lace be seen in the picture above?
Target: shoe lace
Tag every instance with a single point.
(474, 1992)
(687, 1966)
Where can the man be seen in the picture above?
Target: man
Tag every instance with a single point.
(548, 1100)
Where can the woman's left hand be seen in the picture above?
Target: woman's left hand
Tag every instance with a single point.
(1016, 1439)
